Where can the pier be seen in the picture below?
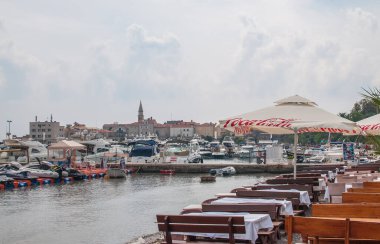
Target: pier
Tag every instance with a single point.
(241, 168)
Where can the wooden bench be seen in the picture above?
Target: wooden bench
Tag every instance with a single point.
(364, 190)
(330, 230)
(347, 210)
(357, 197)
(294, 197)
(302, 181)
(273, 210)
(200, 224)
(316, 228)
(309, 188)
(371, 184)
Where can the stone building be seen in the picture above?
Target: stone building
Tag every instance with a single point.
(46, 131)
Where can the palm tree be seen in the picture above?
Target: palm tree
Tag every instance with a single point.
(374, 96)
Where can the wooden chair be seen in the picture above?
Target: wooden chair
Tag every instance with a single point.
(200, 224)
(356, 197)
(364, 190)
(371, 184)
(347, 210)
(335, 192)
(317, 228)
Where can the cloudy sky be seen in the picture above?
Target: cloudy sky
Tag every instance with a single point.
(91, 61)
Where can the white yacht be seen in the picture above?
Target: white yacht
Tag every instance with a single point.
(35, 150)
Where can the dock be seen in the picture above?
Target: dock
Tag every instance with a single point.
(241, 168)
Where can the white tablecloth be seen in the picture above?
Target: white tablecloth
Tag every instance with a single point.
(286, 206)
(253, 223)
(327, 194)
(304, 195)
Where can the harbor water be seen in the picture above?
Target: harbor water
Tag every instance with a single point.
(104, 210)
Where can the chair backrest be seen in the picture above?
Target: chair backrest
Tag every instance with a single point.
(366, 178)
(364, 190)
(364, 230)
(357, 197)
(308, 188)
(371, 184)
(347, 210)
(336, 189)
(306, 181)
(272, 209)
(346, 179)
(200, 224)
(357, 184)
(266, 194)
(316, 227)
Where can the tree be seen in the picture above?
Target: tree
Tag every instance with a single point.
(373, 95)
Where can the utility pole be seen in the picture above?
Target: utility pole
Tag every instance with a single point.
(9, 129)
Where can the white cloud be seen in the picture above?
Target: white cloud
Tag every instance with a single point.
(197, 60)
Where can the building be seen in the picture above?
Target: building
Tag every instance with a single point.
(46, 132)
(147, 127)
(205, 129)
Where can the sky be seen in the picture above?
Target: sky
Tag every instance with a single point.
(92, 61)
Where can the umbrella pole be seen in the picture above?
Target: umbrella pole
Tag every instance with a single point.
(295, 154)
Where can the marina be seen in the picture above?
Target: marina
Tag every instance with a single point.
(102, 211)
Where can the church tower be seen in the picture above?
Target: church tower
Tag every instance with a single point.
(141, 113)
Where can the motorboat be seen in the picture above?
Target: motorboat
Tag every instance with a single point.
(181, 153)
(45, 170)
(246, 151)
(116, 173)
(144, 151)
(229, 145)
(217, 150)
(97, 146)
(316, 159)
(227, 171)
(36, 151)
(16, 174)
(205, 152)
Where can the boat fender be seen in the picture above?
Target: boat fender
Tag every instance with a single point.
(46, 181)
(22, 184)
(2, 187)
(93, 176)
(15, 184)
(101, 174)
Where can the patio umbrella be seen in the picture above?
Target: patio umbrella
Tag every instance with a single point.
(370, 125)
(291, 115)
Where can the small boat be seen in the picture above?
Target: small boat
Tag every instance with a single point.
(116, 173)
(209, 178)
(227, 171)
(167, 171)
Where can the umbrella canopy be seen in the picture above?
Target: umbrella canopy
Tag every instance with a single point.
(370, 125)
(291, 115)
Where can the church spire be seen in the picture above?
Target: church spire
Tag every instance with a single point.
(141, 113)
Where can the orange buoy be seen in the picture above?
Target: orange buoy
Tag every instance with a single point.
(15, 184)
(2, 187)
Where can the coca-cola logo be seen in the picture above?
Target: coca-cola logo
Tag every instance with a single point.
(370, 127)
(272, 122)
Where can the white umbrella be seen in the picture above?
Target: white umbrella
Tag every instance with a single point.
(370, 125)
(290, 115)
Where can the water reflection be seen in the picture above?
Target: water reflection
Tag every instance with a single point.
(103, 211)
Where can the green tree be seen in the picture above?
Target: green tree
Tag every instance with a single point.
(373, 95)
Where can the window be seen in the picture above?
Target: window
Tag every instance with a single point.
(49, 129)
(33, 136)
(33, 130)
(35, 150)
(43, 130)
